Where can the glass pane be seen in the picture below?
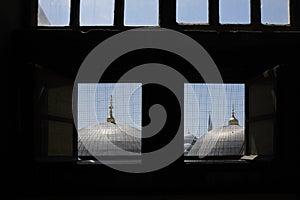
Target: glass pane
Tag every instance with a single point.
(192, 11)
(97, 12)
(141, 13)
(214, 119)
(275, 12)
(234, 11)
(54, 12)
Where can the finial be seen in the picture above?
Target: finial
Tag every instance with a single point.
(111, 119)
(233, 120)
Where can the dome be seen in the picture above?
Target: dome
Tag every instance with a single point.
(107, 139)
(224, 141)
(189, 140)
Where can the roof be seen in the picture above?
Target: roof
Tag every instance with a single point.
(107, 139)
(189, 138)
(224, 141)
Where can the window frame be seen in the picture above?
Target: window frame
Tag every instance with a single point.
(231, 158)
(270, 77)
(167, 19)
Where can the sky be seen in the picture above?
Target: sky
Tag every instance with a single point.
(145, 12)
(94, 102)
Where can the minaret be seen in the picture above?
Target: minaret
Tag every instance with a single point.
(210, 126)
(111, 119)
(233, 120)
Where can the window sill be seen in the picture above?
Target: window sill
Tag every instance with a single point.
(219, 160)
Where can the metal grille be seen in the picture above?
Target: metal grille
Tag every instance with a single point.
(97, 136)
(208, 108)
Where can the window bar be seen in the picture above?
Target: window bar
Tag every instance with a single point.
(294, 14)
(247, 136)
(213, 13)
(74, 14)
(167, 13)
(119, 14)
(255, 13)
(34, 13)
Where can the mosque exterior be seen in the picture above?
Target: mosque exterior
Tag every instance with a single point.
(109, 139)
(225, 141)
(112, 139)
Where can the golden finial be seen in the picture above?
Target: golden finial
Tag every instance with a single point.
(111, 119)
(233, 120)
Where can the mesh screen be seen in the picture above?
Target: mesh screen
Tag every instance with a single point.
(98, 104)
(207, 111)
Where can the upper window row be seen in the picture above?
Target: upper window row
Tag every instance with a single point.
(146, 12)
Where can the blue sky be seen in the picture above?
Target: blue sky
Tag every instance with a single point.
(94, 101)
(145, 12)
(275, 11)
(192, 11)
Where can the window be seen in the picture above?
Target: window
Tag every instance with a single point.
(263, 105)
(97, 12)
(54, 12)
(141, 13)
(134, 13)
(192, 11)
(275, 12)
(109, 120)
(214, 119)
(234, 11)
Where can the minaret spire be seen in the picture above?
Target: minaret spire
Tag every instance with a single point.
(210, 126)
(111, 119)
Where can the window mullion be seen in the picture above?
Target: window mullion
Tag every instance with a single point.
(213, 8)
(294, 14)
(167, 13)
(119, 14)
(74, 14)
(255, 13)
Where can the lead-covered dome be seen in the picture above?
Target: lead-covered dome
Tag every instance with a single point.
(223, 141)
(106, 139)
(109, 139)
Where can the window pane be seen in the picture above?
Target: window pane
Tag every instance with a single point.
(214, 119)
(141, 13)
(97, 12)
(275, 12)
(54, 12)
(109, 119)
(235, 11)
(192, 11)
